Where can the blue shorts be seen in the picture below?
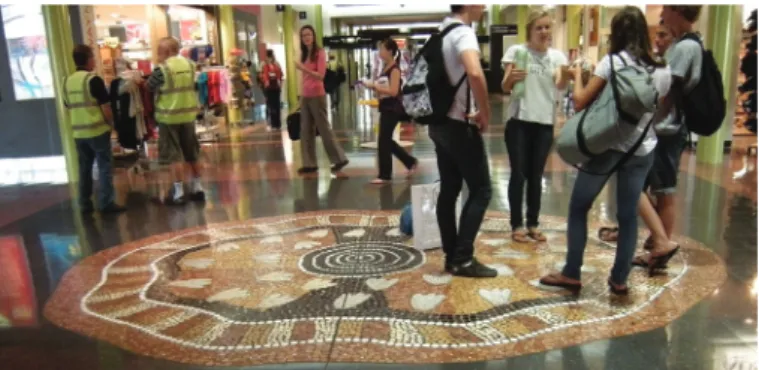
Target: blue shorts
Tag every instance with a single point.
(662, 179)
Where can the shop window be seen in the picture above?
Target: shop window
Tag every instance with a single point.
(28, 56)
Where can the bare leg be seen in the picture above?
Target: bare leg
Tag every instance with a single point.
(667, 212)
(652, 220)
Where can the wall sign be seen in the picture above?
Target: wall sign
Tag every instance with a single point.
(302, 15)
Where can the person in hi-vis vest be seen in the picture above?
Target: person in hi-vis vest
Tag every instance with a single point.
(88, 104)
(176, 109)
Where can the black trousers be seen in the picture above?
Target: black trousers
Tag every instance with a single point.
(274, 107)
(387, 147)
(528, 145)
(460, 157)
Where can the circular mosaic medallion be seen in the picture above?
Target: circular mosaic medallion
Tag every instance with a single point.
(362, 259)
(349, 287)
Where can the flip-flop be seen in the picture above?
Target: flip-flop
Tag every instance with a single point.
(553, 281)
(617, 291)
(536, 235)
(603, 234)
(520, 236)
(655, 263)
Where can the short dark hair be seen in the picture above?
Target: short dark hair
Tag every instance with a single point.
(82, 55)
(689, 12)
(455, 9)
(270, 53)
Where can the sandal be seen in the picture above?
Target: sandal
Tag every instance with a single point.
(654, 263)
(608, 234)
(520, 236)
(615, 289)
(379, 181)
(536, 235)
(649, 244)
(558, 280)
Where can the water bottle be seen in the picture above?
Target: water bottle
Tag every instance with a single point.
(522, 59)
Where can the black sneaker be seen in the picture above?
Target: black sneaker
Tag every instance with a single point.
(339, 166)
(473, 269)
(307, 170)
(113, 208)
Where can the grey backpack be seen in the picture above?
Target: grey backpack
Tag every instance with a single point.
(612, 118)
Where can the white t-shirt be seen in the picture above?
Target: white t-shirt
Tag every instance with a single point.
(539, 101)
(662, 82)
(455, 43)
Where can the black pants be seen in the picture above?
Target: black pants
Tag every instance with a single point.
(528, 145)
(274, 107)
(387, 147)
(460, 157)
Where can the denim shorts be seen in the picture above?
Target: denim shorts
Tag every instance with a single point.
(663, 176)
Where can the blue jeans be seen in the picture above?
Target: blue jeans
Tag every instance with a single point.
(91, 150)
(630, 180)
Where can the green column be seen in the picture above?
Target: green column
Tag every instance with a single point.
(523, 11)
(60, 45)
(229, 42)
(573, 28)
(724, 32)
(495, 13)
(288, 23)
(318, 25)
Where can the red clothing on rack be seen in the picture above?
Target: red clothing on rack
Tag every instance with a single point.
(149, 110)
(214, 85)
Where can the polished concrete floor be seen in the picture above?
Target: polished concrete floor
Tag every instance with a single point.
(250, 178)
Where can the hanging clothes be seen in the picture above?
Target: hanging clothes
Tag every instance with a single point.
(203, 88)
(124, 124)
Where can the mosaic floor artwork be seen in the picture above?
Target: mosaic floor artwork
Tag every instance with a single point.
(349, 286)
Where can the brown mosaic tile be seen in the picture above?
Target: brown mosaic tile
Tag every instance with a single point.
(290, 288)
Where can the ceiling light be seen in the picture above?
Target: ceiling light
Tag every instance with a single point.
(115, 15)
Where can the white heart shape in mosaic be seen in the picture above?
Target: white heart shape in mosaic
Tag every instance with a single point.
(511, 254)
(269, 258)
(394, 233)
(426, 302)
(357, 233)
(438, 279)
(319, 234)
(192, 283)
(276, 239)
(503, 270)
(277, 276)
(497, 297)
(380, 283)
(229, 294)
(348, 301)
(306, 244)
(197, 263)
(495, 242)
(560, 266)
(318, 284)
(275, 300)
(226, 247)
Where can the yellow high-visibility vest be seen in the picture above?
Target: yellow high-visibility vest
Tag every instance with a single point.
(177, 100)
(87, 119)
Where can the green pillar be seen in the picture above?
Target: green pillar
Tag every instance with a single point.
(318, 25)
(724, 33)
(495, 14)
(229, 42)
(574, 29)
(60, 46)
(288, 23)
(523, 11)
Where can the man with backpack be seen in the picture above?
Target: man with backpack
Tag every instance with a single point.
(456, 130)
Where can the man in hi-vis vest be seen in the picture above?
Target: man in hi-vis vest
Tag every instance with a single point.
(176, 108)
(88, 105)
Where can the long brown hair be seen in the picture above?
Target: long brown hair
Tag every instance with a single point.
(629, 32)
(304, 54)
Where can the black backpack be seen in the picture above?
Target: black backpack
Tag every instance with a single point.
(704, 106)
(428, 93)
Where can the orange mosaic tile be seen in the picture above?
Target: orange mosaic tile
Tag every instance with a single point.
(287, 288)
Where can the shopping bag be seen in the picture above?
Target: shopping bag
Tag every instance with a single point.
(424, 218)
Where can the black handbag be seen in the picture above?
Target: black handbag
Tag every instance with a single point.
(293, 125)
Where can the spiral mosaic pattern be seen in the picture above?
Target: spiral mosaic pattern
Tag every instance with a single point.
(364, 259)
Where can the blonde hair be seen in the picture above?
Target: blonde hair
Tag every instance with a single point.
(534, 16)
